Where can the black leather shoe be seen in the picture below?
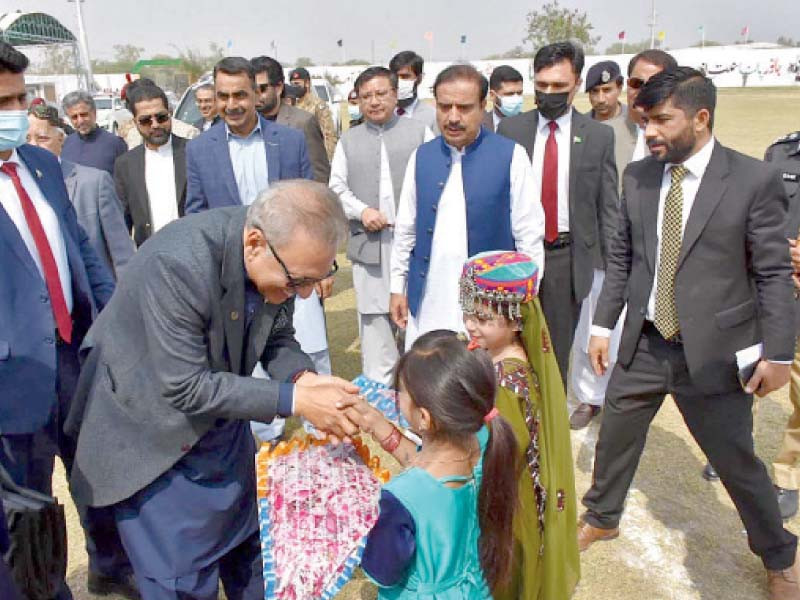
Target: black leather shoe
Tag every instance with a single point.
(121, 585)
(787, 502)
(709, 474)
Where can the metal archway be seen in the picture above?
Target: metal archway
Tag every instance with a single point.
(33, 29)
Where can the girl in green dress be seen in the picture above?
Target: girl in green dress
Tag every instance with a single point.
(503, 316)
(445, 525)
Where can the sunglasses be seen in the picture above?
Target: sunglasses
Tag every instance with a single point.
(147, 120)
(635, 82)
(294, 283)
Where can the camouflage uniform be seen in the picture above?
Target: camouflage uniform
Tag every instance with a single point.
(313, 104)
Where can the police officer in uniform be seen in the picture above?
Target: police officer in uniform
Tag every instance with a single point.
(785, 154)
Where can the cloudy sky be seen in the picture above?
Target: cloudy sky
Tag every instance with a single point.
(312, 27)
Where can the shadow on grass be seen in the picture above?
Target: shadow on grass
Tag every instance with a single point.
(716, 552)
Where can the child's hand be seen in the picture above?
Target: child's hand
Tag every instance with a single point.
(366, 416)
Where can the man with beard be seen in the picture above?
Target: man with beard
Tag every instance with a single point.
(700, 255)
(151, 178)
(308, 101)
(575, 175)
(466, 191)
(408, 66)
(89, 145)
(270, 104)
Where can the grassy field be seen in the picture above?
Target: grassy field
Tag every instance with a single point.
(681, 537)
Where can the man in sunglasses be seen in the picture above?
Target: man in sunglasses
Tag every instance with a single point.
(151, 178)
(166, 391)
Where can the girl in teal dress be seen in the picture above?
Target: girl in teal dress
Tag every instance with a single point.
(445, 524)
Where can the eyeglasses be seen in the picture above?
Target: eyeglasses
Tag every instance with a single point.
(293, 283)
(381, 95)
(147, 120)
(263, 87)
(635, 82)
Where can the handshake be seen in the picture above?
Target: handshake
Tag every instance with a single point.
(334, 406)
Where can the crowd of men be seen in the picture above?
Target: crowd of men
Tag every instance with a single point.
(153, 395)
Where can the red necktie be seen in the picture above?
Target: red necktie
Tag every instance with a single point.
(59, 305)
(550, 185)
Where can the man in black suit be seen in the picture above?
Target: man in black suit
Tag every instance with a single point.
(701, 258)
(270, 92)
(573, 163)
(151, 178)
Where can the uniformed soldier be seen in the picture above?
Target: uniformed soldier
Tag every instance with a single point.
(785, 154)
(312, 103)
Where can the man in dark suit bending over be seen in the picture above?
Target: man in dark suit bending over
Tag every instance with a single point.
(701, 257)
(167, 385)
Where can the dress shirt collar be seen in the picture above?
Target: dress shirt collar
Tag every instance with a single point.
(256, 130)
(563, 121)
(697, 163)
(163, 149)
(13, 158)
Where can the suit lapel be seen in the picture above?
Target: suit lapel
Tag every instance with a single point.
(530, 131)
(272, 149)
(712, 188)
(232, 301)
(140, 182)
(222, 158)
(650, 188)
(576, 145)
(11, 236)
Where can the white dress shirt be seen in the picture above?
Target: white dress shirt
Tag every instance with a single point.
(696, 166)
(11, 203)
(159, 179)
(249, 160)
(440, 308)
(640, 150)
(564, 143)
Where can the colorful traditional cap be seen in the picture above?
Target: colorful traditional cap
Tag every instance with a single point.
(503, 280)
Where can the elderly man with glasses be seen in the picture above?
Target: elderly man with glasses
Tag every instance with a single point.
(200, 305)
(89, 145)
(151, 178)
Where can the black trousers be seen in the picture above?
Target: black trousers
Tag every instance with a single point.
(721, 424)
(561, 311)
(29, 459)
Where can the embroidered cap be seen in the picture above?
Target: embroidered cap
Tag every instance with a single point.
(501, 281)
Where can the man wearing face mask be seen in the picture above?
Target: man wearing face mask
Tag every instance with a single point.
(505, 92)
(354, 109)
(270, 91)
(308, 100)
(409, 67)
(576, 179)
(54, 284)
(367, 173)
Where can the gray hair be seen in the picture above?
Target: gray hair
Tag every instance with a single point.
(280, 210)
(77, 97)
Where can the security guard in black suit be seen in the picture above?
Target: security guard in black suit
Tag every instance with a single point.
(785, 154)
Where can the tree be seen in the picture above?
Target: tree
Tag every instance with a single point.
(787, 41)
(196, 63)
(700, 44)
(127, 54)
(57, 59)
(629, 48)
(515, 52)
(554, 23)
(304, 61)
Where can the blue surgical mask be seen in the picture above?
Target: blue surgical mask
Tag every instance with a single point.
(510, 105)
(13, 128)
(354, 110)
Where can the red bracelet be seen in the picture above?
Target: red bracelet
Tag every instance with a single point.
(392, 441)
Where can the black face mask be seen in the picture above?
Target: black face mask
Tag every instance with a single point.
(552, 106)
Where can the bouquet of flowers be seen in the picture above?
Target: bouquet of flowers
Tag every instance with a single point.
(317, 503)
